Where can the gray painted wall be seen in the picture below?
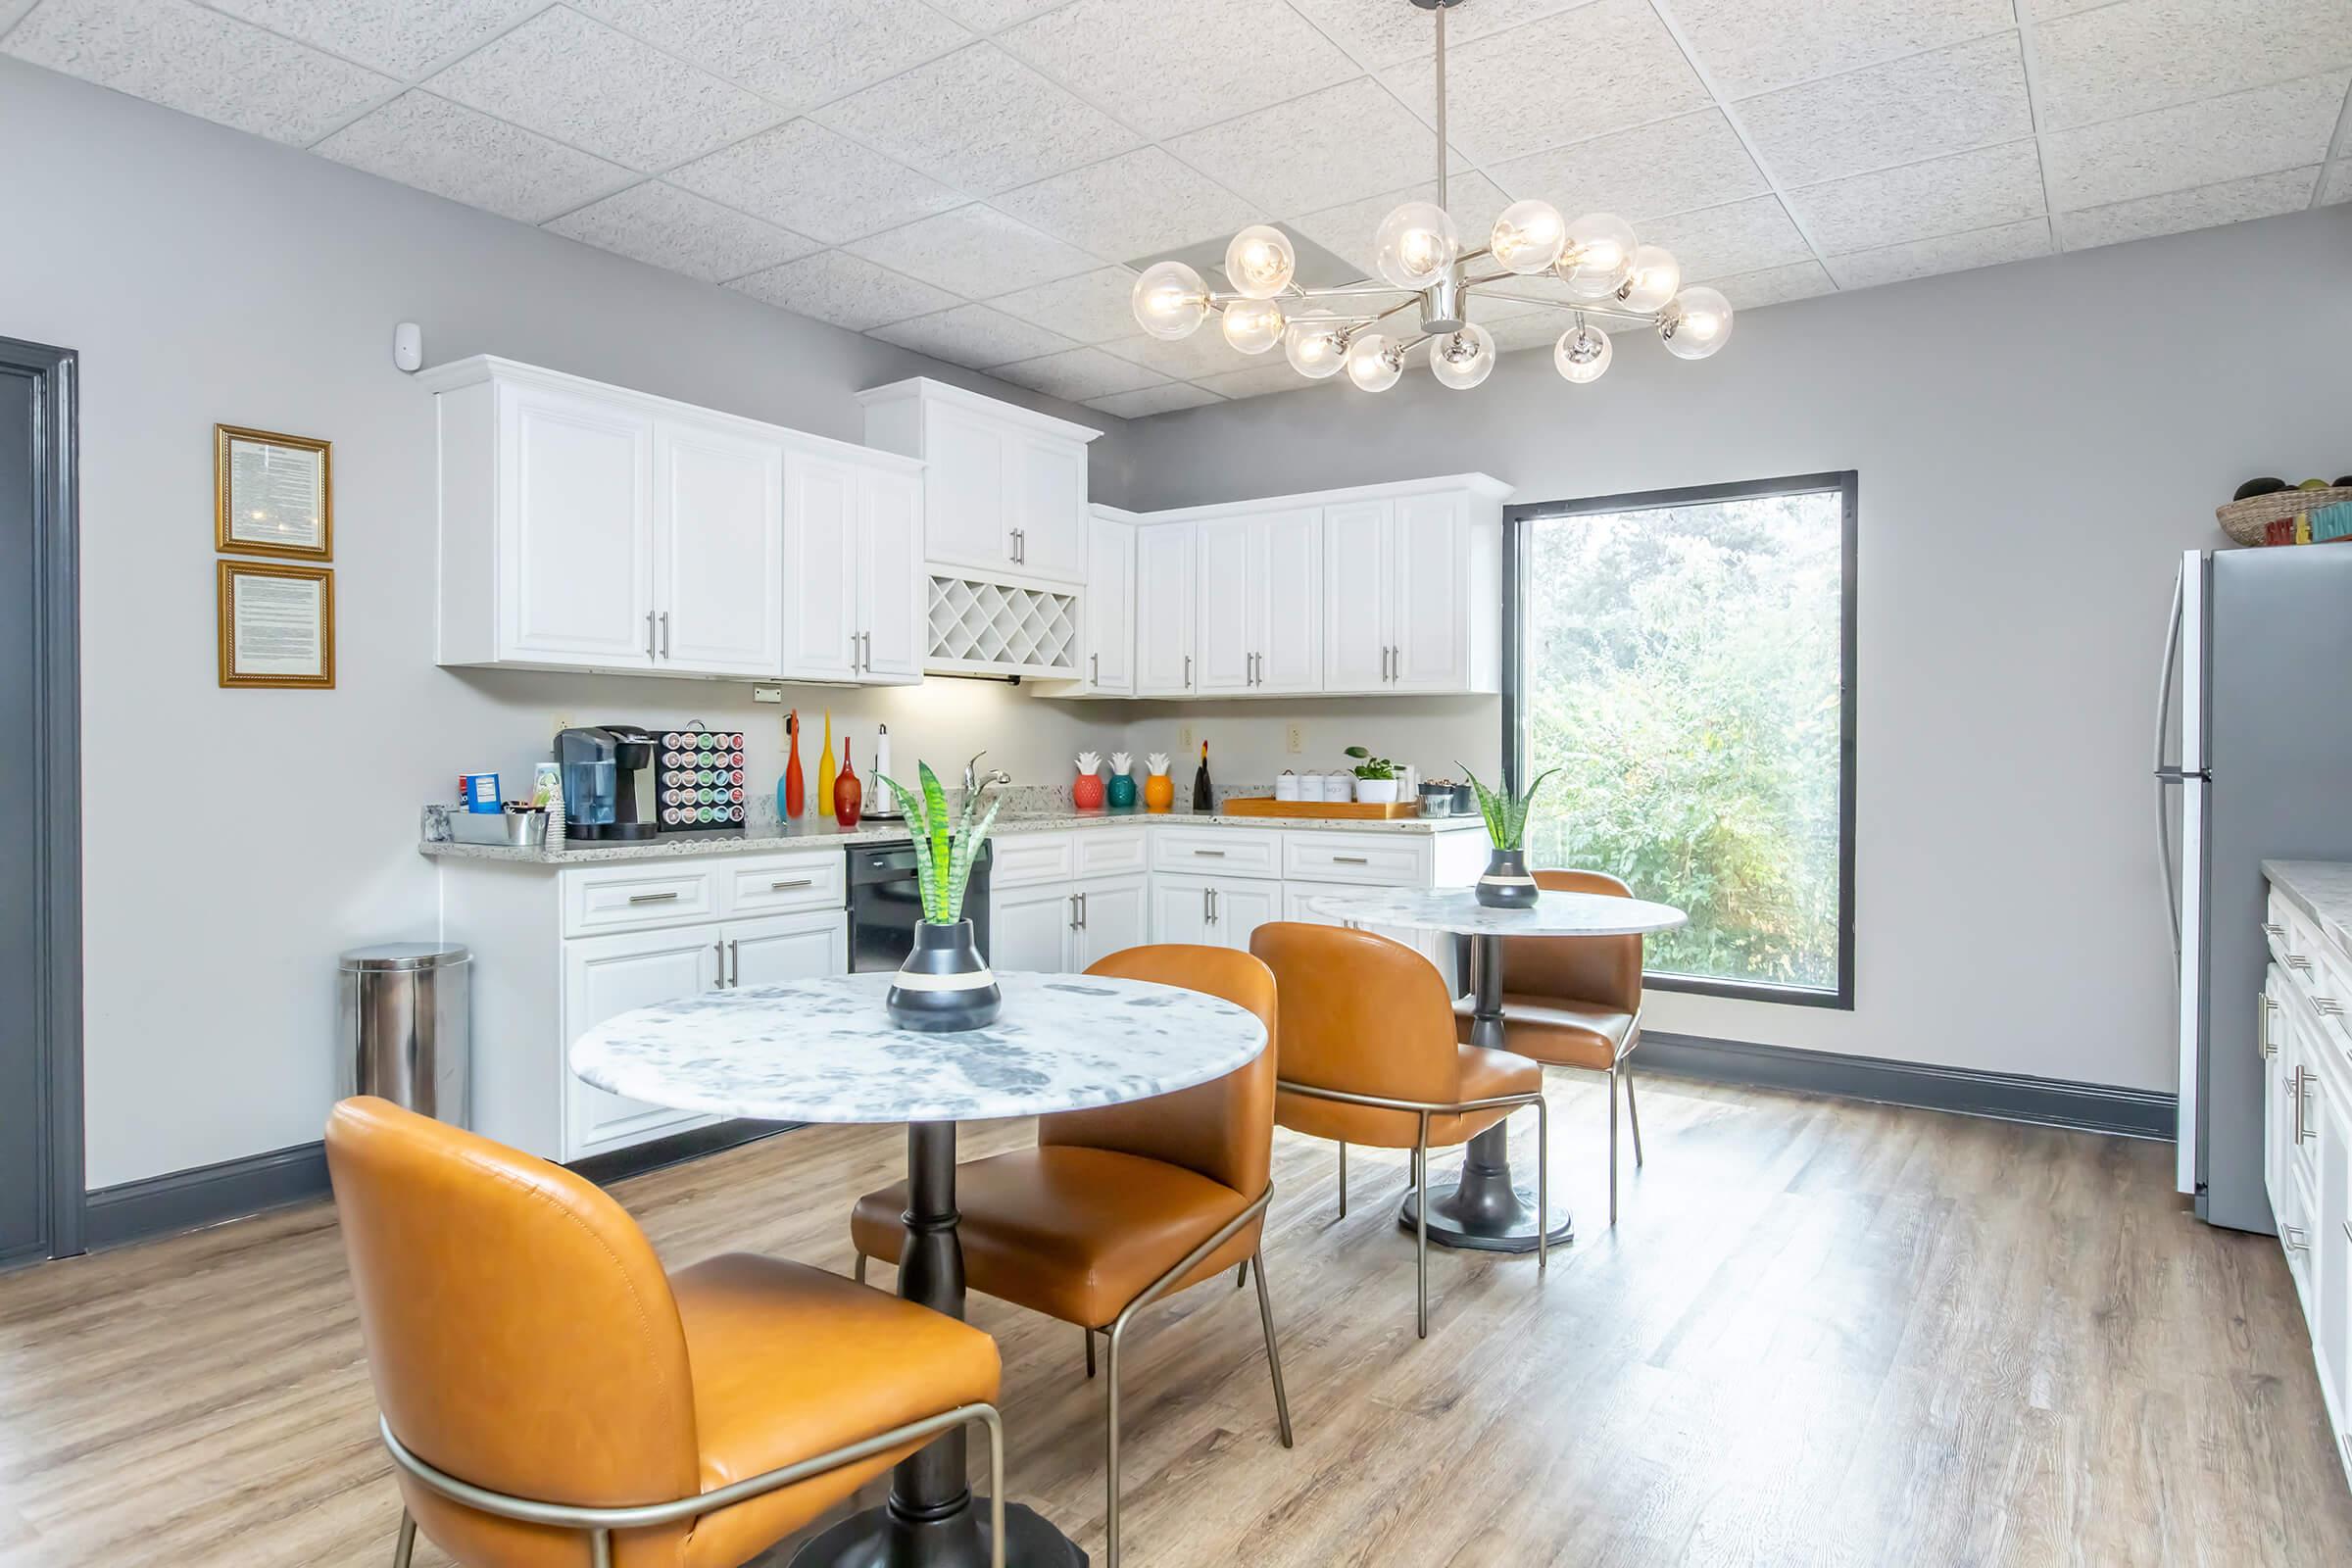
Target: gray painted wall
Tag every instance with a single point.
(2036, 442)
(237, 841)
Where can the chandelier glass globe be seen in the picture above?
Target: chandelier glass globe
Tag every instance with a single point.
(1461, 360)
(1653, 280)
(1600, 249)
(1371, 365)
(1415, 245)
(1316, 347)
(1697, 324)
(1253, 325)
(1260, 262)
(1169, 301)
(1529, 237)
(1583, 353)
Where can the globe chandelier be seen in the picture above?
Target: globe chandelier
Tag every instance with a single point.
(1601, 265)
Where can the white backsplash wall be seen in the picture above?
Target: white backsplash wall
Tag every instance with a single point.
(1250, 741)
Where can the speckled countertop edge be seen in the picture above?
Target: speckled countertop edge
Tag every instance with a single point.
(2321, 890)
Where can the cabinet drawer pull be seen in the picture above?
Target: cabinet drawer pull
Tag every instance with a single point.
(2274, 928)
(788, 886)
(2299, 964)
(2295, 1238)
(672, 897)
(1352, 860)
(1214, 855)
(2329, 1006)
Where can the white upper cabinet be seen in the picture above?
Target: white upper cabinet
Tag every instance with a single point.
(1261, 591)
(585, 526)
(1007, 492)
(1108, 609)
(1359, 629)
(1163, 611)
(1226, 576)
(1435, 579)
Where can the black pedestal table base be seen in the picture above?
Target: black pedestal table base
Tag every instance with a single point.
(878, 1539)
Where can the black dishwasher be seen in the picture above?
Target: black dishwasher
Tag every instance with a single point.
(886, 904)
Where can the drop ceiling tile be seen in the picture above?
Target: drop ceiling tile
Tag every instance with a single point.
(1190, 359)
(568, 77)
(2338, 184)
(987, 15)
(1753, 46)
(1774, 285)
(1261, 380)
(1516, 93)
(843, 289)
(1077, 375)
(1743, 238)
(2208, 206)
(400, 36)
(2256, 132)
(1330, 146)
(1348, 230)
(199, 63)
(812, 181)
(665, 227)
(973, 335)
(453, 151)
(979, 120)
(1966, 191)
(1948, 253)
(1167, 398)
(1381, 32)
(1969, 95)
(800, 55)
(1091, 308)
(1138, 204)
(973, 251)
(2145, 53)
(1540, 330)
(1170, 67)
(1672, 166)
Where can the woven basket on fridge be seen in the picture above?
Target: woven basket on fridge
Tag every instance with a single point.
(2245, 520)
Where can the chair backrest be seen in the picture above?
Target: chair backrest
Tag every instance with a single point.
(1598, 971)
(1223, 1129)
(520, 1332)
(1361, 1013)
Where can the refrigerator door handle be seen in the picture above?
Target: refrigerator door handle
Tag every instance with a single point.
(2167, 775)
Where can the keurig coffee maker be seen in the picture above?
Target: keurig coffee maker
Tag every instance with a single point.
(608, 782)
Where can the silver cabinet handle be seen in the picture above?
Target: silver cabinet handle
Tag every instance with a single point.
(2274, 928)
(2295, 1238)
(865, 640)
(2294, 1091)
(1350, 859)
(1214, 855)
(2299, 964)
(1384, 660)
(2305, 1131)
(1213, 914)
(1188, 671)
(672, 897)
(1205, 915)
(1073, 911)
(1095, 668)
(721, 948)
(2329, 1006)
(665, 634)
(2262, 1039)
(1081, 911)
(795, 882)
(735, 963)
(649, 634)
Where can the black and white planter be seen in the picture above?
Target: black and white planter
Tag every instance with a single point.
(944, 986)
(1507, 884)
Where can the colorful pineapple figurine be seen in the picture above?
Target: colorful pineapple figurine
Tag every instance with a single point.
(825, 768)
(1086, 792)
(1159, 789)
(1122, 782)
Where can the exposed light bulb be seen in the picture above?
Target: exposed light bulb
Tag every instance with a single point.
(1461, 360)
(1253, 325)
(1697, 324)
(1260, 262)
(1169, 300)
(1528, 236)
(1597, 255)
(1415, 245)
(1316, 347)
(1651, 282)
(1372, 364)
(1583, 353)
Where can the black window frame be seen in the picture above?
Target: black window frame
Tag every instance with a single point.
(1846, 483)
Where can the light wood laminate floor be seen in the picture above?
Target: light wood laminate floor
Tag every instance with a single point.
(1822, 1332)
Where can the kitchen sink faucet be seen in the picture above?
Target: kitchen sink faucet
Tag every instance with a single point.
(972, 779)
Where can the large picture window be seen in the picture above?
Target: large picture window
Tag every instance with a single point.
(1685, 659)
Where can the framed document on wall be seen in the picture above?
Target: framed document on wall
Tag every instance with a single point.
(272, 495)
(278, 624)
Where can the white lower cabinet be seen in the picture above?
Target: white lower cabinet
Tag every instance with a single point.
(1114, 913)
(1066, 926)
(1211, 910)
(602, 977)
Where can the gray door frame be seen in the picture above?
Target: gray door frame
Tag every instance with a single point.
(55, 792)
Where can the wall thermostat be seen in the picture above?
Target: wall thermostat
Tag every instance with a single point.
(408, 346)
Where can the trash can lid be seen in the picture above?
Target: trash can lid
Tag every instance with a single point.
(406, 956)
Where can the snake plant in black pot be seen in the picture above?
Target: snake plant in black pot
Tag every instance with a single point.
(1507, 884)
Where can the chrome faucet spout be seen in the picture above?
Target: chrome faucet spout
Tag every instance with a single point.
(972, 779)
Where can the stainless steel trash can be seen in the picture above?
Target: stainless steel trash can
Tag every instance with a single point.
(405, 1034)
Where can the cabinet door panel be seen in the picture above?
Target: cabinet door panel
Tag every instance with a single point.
(1356, 600)
(719, 560)
(604, 976)
(1114, 916)
(1226, 579)
(1180, 910)
(891, 581)
(1029, 928)
(1165, 620)
(1050, 510)
(820, 566)
(788, 947)
(1432, 632)
(965, 483)
(575, 548)
(1290, 600)
(1110, 618)
(1240, 908)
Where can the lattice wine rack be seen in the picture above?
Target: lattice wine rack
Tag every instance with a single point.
(991, 628)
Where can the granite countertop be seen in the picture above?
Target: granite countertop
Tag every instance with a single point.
(1016, 817)
(2321, 890)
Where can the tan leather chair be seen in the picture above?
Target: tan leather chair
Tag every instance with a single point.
(1369, 1056)
(1574, 1002)
(1115, 1208)
(552, 1399)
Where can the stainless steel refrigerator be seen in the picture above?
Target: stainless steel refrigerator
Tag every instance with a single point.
(2253, 763)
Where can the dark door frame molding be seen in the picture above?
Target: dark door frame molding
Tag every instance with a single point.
(56, 1009)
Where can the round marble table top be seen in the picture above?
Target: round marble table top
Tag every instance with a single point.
(824, 1049)
(1457, 909)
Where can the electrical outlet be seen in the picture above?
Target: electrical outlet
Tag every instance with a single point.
(768, 694)
(1295, 738)
(563, 724)
(1185, 739)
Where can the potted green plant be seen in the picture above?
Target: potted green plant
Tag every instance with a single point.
(1375, 776)
(1507, 884)
(945, 983)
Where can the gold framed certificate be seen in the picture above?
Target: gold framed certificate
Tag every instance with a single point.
(272, 495)
(278, 624)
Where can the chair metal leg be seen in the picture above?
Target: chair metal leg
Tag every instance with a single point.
(1089, 1352)
(1612, 1145)
(1240, 1276)
(1421, 1229)
(1342, 1181)
(996, 1486)
(600, 1548)
(405, 1548)
(1265, 1318)
(1633, 1114)
(859, 1272)
(1110, 1449)
(1542, 1183)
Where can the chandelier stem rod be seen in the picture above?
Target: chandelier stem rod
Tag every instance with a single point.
(1442, 107)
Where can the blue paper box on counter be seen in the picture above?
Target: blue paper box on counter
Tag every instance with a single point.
(479, 791)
